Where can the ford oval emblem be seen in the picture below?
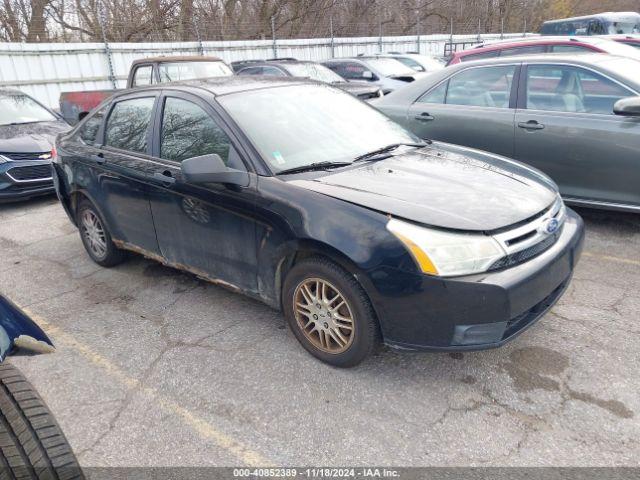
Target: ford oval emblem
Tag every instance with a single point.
(551, 226)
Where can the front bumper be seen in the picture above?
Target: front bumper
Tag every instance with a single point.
(479, 311)
(16, 182)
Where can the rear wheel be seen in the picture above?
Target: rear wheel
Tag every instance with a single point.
(96, 237)
(32, 446)
(329, 312)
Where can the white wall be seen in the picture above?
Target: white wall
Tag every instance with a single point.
(45, 70)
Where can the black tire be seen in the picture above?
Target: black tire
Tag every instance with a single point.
(32, 446)
(111, 255)
(365, 333)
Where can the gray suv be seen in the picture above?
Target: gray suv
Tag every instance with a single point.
(576, 118)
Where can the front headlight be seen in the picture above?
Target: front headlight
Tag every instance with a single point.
(4, 159)
(447, 254)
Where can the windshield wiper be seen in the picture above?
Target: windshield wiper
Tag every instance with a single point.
(313, 166)
(379, 153)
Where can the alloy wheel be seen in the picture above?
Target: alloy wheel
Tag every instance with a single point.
(324, 316)
(94, 234)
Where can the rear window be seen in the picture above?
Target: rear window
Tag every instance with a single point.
(179, 71)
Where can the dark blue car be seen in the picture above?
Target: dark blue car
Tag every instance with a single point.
(308, 199)
(27, 132)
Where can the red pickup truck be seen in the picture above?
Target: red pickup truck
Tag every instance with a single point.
(147, 71)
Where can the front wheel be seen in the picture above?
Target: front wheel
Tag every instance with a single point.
(329, 312)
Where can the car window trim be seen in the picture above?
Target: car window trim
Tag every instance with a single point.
(135, 72)
(209, 110)
(522, 93)
(516, 75)
(150, 128)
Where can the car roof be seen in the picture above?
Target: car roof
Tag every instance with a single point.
(541, 40)
(586, 59)
(177, 58)
(225, 85)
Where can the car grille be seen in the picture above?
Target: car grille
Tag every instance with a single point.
(31, 173)
(30, 156)
(530, 240)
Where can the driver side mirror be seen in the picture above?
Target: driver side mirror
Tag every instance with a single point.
(367, 75)
(211, 169)
(627, 107)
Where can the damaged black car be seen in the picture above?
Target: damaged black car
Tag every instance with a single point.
(300, 195)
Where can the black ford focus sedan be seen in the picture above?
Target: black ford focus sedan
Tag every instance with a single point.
(304, 197)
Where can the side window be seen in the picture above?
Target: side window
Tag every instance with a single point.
(351, 70)
(482, 87)
(569, 49)
(480, 56)
(436, 95)
(188, 131)
(571, 89)
(272, 71)
(529, 50)
(89, 131)
(143, 76)
(128, 124)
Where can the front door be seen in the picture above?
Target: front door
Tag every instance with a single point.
(472, 108)
(209, 229)
(566, 127)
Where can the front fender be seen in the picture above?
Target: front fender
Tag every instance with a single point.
(17, 329)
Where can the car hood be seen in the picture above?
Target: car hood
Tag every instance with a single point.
(30, 137)
(444, 186)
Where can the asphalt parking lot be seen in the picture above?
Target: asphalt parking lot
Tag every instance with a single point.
(155, 367)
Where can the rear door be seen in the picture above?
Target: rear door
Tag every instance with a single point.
(124, 170)
(566, 127)
(210, 229)
(474, 108)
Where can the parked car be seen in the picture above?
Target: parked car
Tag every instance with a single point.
(27, 133)
(300, 195)
(313, 71)
(387, 73)
(33, 445)
(576, 118)
(631, 40)
(609, 23)
(538, 45)
(419, 63)
(144, 72)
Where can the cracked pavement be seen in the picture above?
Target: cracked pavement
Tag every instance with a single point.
(155, 367)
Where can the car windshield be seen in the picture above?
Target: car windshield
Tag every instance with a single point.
(389, 66)
(310, 124)
(21, 108)
(313, 71)
(178, 71)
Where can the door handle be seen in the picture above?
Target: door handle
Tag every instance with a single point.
(98, 158)
(164, 177)
(531, 125)
(424, 117)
